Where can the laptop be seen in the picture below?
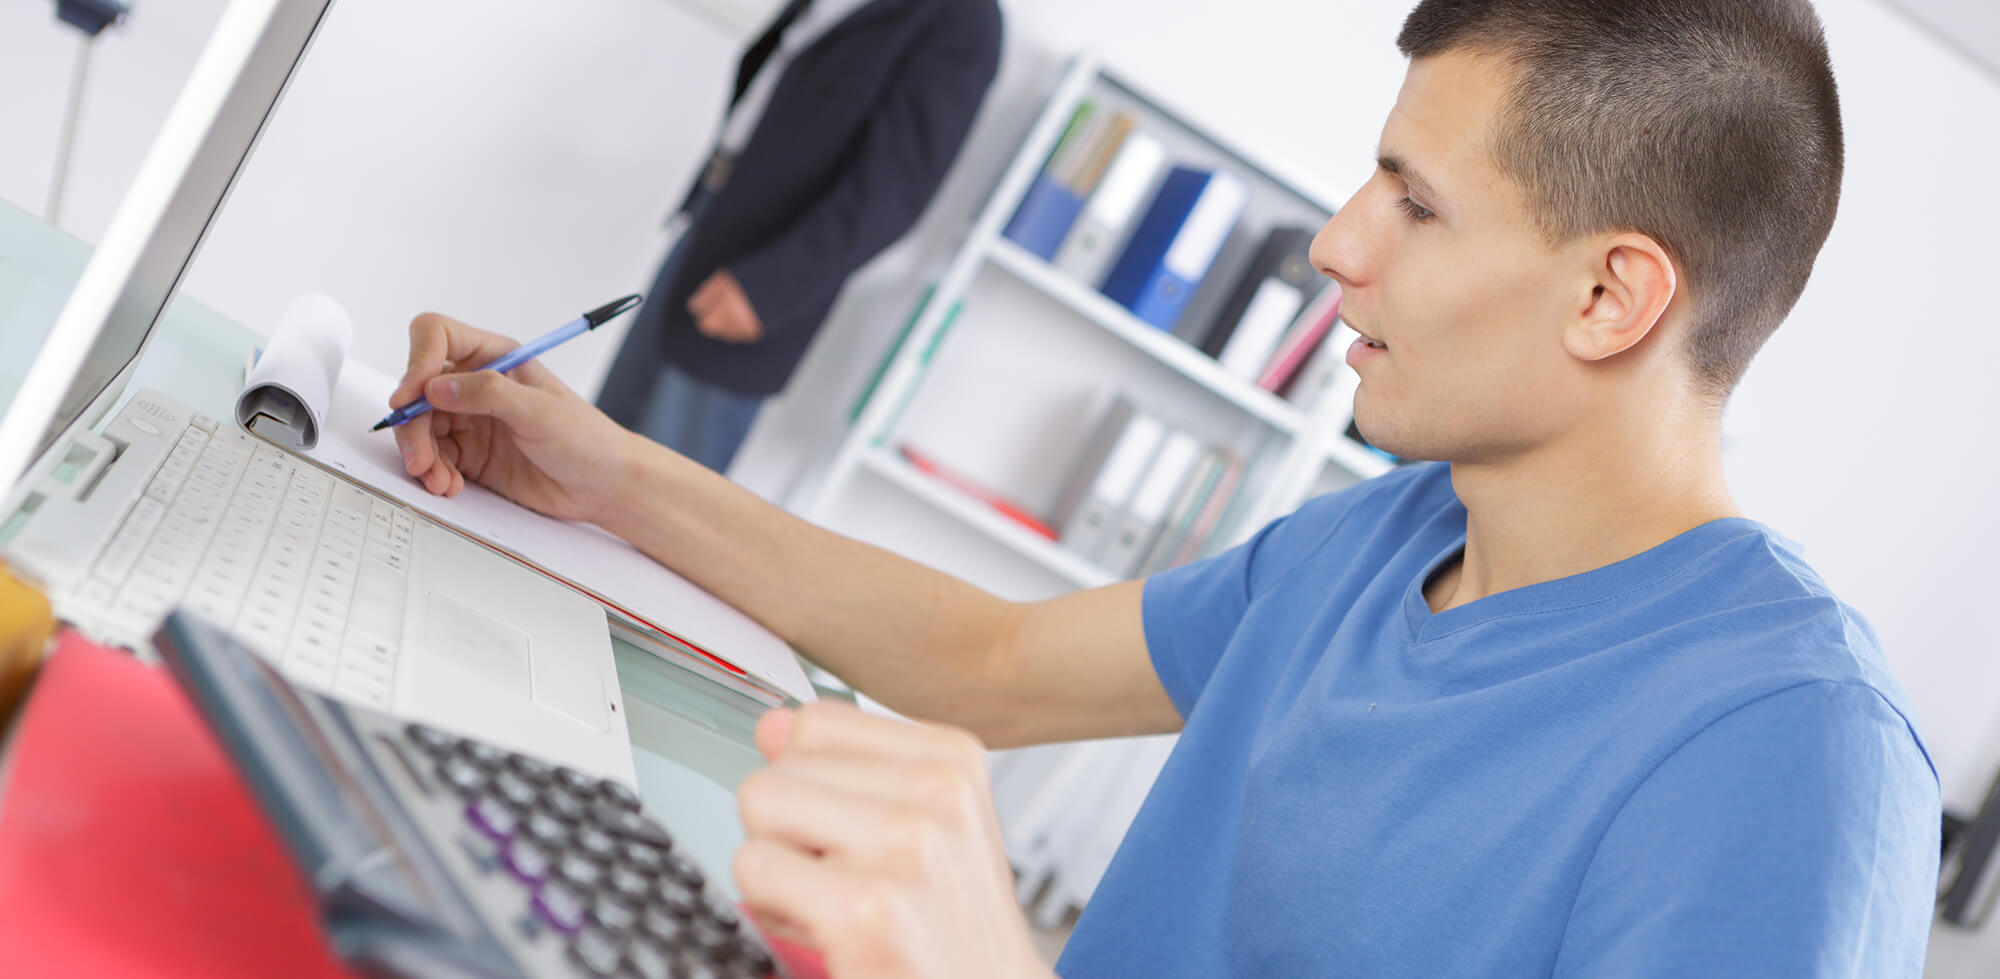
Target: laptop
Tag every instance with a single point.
(123, 517)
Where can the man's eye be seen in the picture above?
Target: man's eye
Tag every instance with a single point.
(1416, 211)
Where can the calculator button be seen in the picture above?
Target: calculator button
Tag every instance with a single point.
(583, 785)
(579, 872)
(677, 897)
(560, 907)
(628, 884)
(754, 955)
(597, 952)
(648, 860)
(463, 776)
(684, 870)
(646, 961)
(526, 861)
(492, 817)
(536, 772)
(618, 794)
(668, 929)
(564, 804)
(547, 830)
(613, 915)
(595, 843)
(630, 824)
(515, 791)
(430, 739)
(725, 916)
(482, 754)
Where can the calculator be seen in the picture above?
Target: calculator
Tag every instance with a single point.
(434, 855)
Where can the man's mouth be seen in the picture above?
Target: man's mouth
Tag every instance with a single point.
(1371, 341)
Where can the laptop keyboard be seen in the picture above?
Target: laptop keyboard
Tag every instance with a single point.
(307, 570)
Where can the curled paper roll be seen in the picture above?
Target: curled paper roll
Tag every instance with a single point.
(287, 395)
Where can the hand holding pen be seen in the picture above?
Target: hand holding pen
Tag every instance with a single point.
(522, 434)
(523, 353)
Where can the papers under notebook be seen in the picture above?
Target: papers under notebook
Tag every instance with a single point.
(308, 354)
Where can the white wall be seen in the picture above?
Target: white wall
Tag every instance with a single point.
(510, 163)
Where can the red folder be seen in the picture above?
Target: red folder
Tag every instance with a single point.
(130, 847)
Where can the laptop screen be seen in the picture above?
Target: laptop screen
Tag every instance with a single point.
(153, 237)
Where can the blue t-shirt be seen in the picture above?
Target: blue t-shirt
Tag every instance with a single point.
(1692, 762)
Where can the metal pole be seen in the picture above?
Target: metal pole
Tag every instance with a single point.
(67, 145)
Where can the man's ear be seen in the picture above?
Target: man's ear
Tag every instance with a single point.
(1634, 281)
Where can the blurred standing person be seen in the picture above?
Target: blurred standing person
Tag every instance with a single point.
(844, 118)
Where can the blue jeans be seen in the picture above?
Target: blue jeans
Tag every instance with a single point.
(650, 396)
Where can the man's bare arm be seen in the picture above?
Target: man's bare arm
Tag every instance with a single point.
(922, 642)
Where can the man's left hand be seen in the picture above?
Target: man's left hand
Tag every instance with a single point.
(876, 841)
(722, 312)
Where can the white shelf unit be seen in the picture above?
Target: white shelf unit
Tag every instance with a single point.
(1000, 376)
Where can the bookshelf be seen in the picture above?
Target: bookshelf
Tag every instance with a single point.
(1000, 375)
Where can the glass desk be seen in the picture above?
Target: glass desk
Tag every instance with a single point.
(691, 738)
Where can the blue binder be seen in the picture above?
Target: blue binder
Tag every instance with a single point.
(1042, 221)
(1143, 280)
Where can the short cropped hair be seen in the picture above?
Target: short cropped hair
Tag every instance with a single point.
(1712, 126)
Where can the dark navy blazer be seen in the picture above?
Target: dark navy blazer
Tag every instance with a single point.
(853, 142)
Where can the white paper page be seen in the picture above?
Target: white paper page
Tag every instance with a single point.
(584, 554)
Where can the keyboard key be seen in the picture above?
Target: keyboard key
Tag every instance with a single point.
(597, 952)
(560, 907)
(526, 861)
(203, 423)
(492, 817)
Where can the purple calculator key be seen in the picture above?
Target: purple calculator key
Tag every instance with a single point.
(526, 861)
(560, 907)
(491, 817)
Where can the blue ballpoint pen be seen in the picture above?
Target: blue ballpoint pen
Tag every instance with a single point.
(524, 353)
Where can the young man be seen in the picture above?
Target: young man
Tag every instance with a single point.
(1555, 708)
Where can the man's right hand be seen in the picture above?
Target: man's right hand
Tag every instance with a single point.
(524, 434)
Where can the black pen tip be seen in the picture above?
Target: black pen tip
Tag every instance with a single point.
(379, 426)
(596, 317)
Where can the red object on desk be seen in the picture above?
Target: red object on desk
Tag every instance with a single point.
(129, 846)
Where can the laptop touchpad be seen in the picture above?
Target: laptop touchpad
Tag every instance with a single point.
(477, 642)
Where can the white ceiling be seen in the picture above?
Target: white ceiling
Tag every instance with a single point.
(1972, 26)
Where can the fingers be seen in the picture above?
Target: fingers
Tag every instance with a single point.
(782, 882)
(806, 812)
(437, 340)
(842, 729)
(519, 406)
